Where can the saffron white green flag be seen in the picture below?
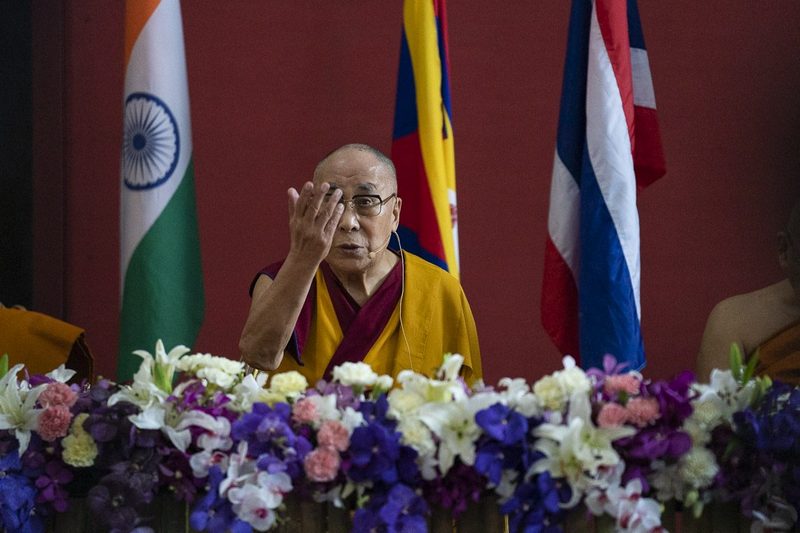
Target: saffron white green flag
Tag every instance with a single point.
(162, 282)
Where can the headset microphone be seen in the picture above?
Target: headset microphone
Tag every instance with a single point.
(382, 247)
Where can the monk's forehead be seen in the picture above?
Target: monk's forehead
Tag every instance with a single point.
(354, 168)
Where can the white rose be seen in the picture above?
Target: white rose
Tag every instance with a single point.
(289, 383)
(355, 375)
(549, 392)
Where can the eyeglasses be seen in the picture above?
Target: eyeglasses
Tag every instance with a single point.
(366, 205)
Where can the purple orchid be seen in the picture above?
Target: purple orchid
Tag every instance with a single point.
(51, 485)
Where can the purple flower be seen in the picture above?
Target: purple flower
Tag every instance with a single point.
(344, 394)
(374, 451)
(461, 487)
(502, 424)
(534, 507)
(664, 439)
(214, 512)
(17, 496)
(271, 439)
(175, 472)
(404, 510)
(118, 498)
(51, 485)
(507, 442)
(762, 460)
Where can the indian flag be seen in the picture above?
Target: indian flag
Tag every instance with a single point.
(162, 282)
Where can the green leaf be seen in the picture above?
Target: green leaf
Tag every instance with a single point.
(750, 371)
(160, 378)
(735, 359)
(3, 365)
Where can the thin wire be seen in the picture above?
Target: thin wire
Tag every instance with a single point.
(402, 293)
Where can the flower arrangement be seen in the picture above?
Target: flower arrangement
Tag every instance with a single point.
(233, 446)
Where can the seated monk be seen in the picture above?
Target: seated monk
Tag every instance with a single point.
(767, 320)
(342, 295)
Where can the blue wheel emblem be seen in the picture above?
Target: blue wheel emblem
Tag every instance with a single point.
(151, 143)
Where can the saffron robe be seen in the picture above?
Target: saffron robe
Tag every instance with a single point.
(779, 356)
(42, 343)
(436, 319)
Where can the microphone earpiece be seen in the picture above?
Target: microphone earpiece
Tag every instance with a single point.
(372, 254)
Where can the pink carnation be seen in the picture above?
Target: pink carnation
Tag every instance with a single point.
(54, 422)
(622, 383)
(304, 411)
(612, 415)
(322, 464)
(334, 435)
(57, 394)
(642, 411)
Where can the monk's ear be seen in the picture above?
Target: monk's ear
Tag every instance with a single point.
(783, 249)
(398, 203)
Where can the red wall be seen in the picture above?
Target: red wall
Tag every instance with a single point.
(275, 85)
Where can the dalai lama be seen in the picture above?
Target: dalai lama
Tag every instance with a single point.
(342, 295)
(766, 321)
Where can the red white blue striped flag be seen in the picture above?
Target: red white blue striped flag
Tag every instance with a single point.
(422, 140)
(608, 143)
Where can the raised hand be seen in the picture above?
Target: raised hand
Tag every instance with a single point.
(313, 219)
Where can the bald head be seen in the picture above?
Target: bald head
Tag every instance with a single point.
(345, 154)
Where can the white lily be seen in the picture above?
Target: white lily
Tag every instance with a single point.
(579, 451)
(248, 391)
(454, 424)
(18, 407)
(152, 383)
(61, 374)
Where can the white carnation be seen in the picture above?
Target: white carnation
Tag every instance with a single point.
(355, 375)
(549, 392)
(289, 383)
(698, 467)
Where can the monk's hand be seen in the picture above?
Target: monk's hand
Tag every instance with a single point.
(313, 218)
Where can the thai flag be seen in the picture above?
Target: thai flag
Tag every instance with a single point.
(422, 140)
(608, 143)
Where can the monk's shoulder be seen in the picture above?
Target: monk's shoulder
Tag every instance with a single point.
(437, 279)
(748, 317)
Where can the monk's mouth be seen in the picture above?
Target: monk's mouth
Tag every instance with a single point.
(349, 247)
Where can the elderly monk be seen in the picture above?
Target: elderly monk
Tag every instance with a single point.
(767, 320)
(341, 295)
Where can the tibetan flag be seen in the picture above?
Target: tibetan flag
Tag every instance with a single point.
(608, 144)
(162, 282)
(422, 141)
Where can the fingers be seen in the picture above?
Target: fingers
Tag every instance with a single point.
(316, 195)
(333, 220)
(293, 197)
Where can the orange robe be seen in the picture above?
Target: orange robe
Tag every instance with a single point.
(42, 342)
(779, 356)
(436, 319)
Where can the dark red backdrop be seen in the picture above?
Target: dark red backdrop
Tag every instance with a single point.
(275, 85)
